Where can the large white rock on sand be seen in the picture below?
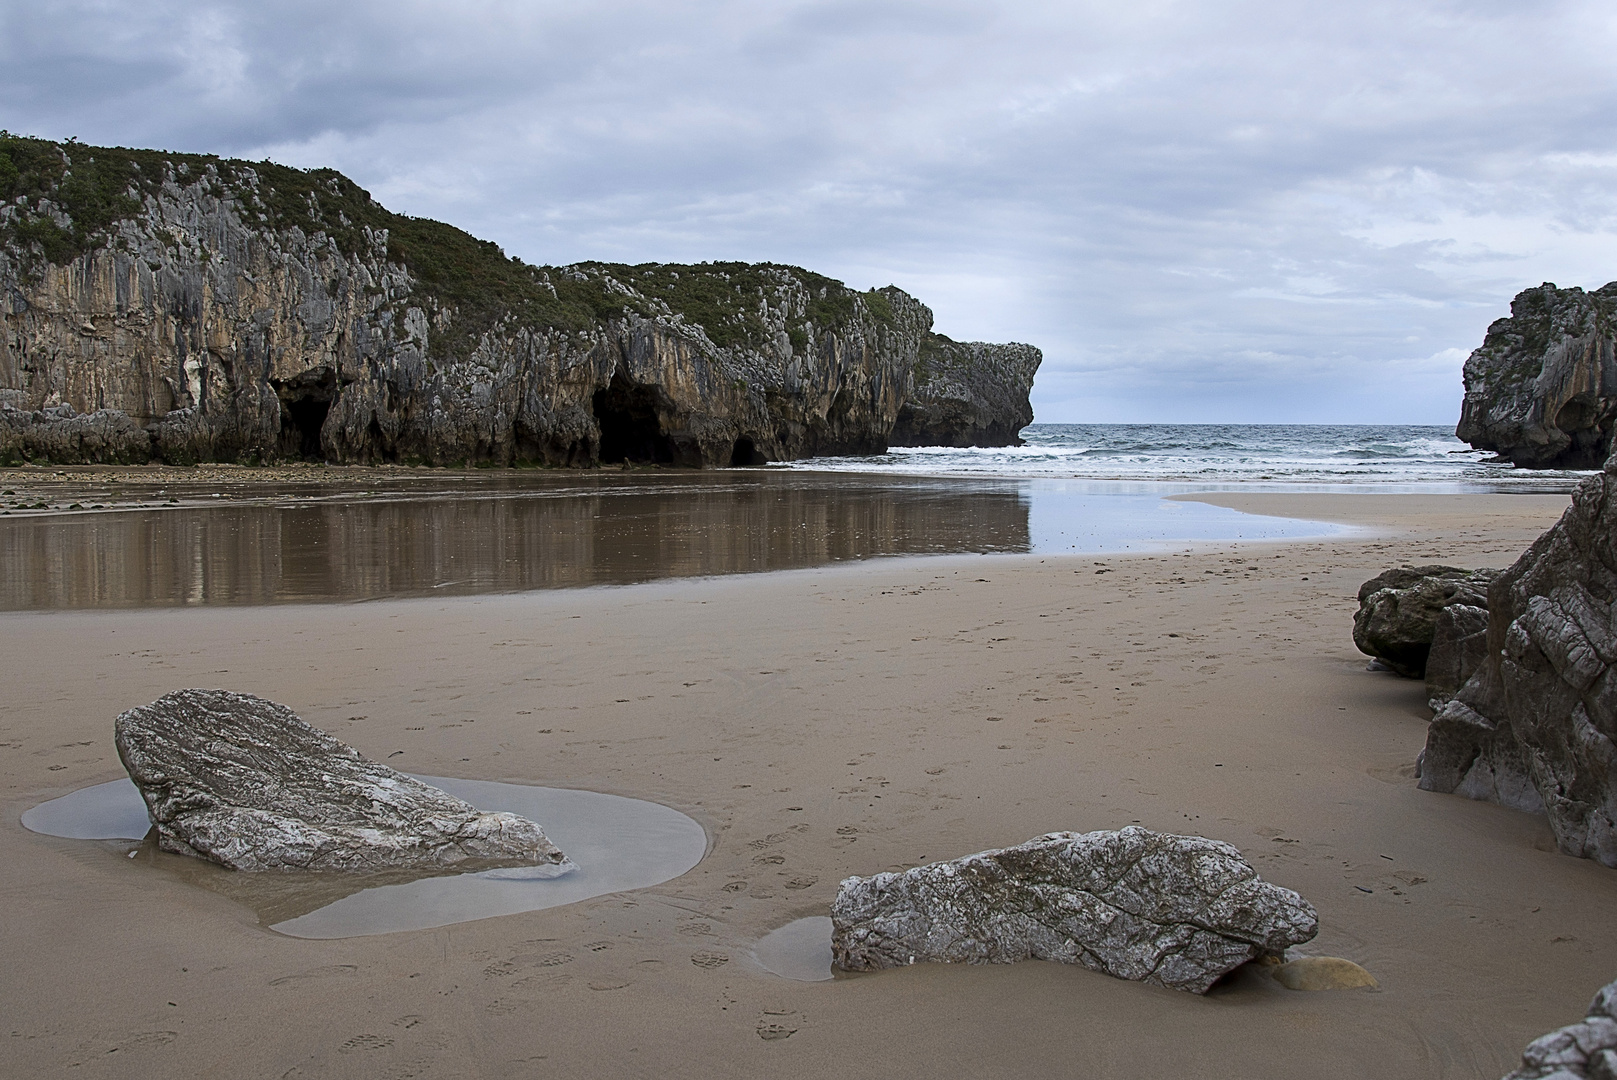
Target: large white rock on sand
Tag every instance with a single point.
(245, 783)
(1181, 911)
(1586, 1050)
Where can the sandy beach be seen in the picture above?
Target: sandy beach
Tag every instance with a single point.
(820, 723)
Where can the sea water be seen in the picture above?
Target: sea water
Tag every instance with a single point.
(1320, 456)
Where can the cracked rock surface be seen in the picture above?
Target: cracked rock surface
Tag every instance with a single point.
(1586, 1050)
(1179, 911)
(245, 783)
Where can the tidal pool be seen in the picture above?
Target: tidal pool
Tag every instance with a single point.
(799, 950)
(617, 843)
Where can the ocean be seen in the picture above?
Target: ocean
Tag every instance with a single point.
(1253, 456)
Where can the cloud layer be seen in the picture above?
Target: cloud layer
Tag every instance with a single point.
(1248, 212)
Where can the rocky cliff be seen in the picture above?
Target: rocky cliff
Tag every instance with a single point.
(1542, 389)
(1536, 726)
(968, 393)
(186, 308)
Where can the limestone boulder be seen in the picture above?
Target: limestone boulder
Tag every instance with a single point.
(1178, 911)
(1586, 1050)
(244, 782)
(1398, 611)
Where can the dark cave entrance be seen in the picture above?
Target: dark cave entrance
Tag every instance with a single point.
(746, 453)
(630, 429)
(305, 404)
(301, 421)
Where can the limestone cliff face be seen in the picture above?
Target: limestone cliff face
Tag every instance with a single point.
(968, 393)
(192, 308)
(1542, 389)
(1536, 726)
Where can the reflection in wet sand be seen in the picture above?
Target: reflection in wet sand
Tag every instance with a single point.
(535, 532)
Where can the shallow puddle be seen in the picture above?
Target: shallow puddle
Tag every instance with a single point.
(799, 950)
(617, 843)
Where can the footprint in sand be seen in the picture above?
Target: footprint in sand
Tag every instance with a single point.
(802, 882)
(734, 886)
(329, 971)
(774, 1026)
(709, 960)
(366, 1041)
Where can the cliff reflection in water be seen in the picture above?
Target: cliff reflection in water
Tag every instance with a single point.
(543, 534)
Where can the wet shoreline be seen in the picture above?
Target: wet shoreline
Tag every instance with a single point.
(374, 534)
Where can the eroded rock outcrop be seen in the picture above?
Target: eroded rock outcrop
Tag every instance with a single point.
(231, 311)
(1542, 390)
(245, 783)
(1586, 1050)
(1534, 727)
(968, 393)
(1180, 911)
(1403, 612)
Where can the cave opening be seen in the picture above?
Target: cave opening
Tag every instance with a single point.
(301, 421)
(630, 429)
(746, 452)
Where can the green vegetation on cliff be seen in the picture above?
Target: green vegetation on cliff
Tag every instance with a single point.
(59, 201)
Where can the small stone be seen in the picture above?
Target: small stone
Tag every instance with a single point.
(1323, 973)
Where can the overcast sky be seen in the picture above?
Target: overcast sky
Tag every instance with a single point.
(1220, 212)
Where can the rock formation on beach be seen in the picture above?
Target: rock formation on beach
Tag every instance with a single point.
(1534, 726)
(245, 783)
(1179, 911)
(1542, 390)
(1586, 1050)
(967, 393)
(184, 308)
(1426, 622)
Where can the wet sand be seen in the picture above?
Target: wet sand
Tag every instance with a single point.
(821, 722)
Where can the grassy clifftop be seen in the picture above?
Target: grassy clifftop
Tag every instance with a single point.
(59, 201)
